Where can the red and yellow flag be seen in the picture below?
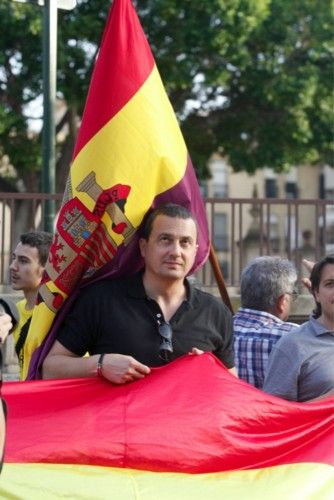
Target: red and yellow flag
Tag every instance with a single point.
(130, 156)
(190, 430)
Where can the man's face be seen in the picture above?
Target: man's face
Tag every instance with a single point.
(171, 247)
(325, 293)
(25, 269)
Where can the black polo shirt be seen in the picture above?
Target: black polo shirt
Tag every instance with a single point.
(116, 316)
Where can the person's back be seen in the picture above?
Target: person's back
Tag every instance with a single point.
(267, 288)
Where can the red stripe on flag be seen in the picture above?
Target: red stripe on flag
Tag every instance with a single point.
(189, 416)
(119, 43)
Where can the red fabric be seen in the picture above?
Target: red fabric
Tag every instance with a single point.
(120, 41)
(190, 416)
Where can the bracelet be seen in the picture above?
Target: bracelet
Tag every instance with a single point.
(99, 365)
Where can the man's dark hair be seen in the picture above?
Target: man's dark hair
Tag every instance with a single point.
(170, 210)
(40, 240)
(315, 278)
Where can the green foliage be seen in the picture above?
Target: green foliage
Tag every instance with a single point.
(250, 78)
(20, 83)
(281, 110)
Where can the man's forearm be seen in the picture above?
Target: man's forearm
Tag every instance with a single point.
(61, 366)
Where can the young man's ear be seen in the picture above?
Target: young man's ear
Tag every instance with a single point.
(41, 270)
(315, 294)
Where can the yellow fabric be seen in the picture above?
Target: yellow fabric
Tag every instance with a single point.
(24, 316)
(309, 481)
(132, 152)
(150, 156)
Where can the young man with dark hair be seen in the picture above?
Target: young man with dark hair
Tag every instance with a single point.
(128, 325)
(26, 271)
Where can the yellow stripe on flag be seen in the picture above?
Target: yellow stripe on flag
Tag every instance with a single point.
(148, 154)
(80, 482)
(143, 142)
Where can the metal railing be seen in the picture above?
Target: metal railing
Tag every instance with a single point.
(19, 212)
(291, 228)
(240, 229)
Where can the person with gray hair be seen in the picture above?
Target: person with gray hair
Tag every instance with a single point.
(267, 288)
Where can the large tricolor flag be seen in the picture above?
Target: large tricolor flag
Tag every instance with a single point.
(189, 431)
(130, 156)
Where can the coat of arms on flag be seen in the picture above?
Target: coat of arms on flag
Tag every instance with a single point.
(130, 156)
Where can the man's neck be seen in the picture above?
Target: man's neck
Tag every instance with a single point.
(30, 296)
(169, 294)
(327, 322)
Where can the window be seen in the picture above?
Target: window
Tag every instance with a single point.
(219, 172)
(326, 183)
(270, 183)
(271, 188)
(291, 190)
(220, 238)
(219, 190)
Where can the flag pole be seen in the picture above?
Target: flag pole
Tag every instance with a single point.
(219, 278)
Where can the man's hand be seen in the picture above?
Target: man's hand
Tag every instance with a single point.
(196, 351)
(5, 326)
(121, 369)
(308, 264)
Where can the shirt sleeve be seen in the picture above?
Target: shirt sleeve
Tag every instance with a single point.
(281, 377)
(226, 352)
(80, 327)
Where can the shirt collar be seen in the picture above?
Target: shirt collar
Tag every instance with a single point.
(135, 289)
(318, 328)
(260, 314)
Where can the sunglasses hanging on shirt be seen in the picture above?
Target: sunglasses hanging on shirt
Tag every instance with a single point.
(166, 346)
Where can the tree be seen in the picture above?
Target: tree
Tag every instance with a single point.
(249, 78)
(20, 83)
(279, 108)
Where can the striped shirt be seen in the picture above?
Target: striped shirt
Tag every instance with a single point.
(255, 334)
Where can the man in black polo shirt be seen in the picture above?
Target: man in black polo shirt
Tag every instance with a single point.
(128, 325)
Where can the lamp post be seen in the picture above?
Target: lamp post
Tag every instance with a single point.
(50, 15)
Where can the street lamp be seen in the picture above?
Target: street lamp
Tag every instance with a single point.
(50, 14)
